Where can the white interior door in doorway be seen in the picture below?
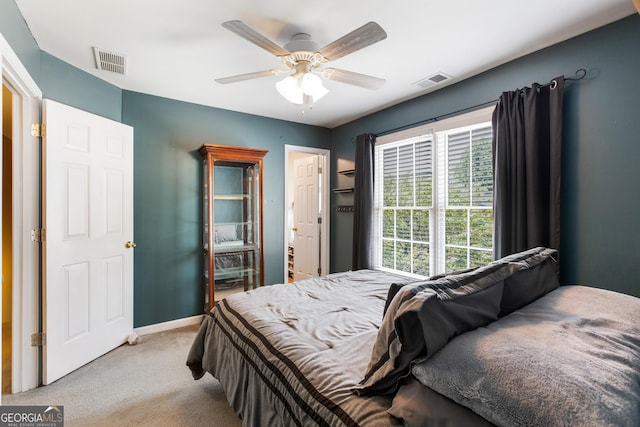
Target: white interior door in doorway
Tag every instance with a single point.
(291, 154)
(306, 217)
(87, 252)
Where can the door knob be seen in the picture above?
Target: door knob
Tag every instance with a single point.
(130, 245)
(295, 228)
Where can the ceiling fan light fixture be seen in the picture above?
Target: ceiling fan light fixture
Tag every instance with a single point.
(288, 88)
(312, 86)
(302, 56)
(294, 88)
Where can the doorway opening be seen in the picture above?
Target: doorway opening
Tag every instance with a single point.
(21, 211)
(306, 208)
(7, 237)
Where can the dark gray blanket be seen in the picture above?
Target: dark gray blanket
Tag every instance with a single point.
(570, 358)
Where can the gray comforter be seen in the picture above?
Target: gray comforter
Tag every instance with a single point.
(291, 354)
(569, 358)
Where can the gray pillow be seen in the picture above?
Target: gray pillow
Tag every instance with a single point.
(569, 358)
(395, 287)
(423, 316)
(419, 406)
(226, 233)
(537, 277)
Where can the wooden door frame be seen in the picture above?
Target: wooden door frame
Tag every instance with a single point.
(326, 182)
(27, 98)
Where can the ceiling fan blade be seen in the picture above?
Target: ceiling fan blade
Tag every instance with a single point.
(356, 79)
(248, 76)
(359, 38)
(248, 33)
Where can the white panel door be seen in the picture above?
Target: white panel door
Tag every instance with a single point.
(306, 259)
(87, 218)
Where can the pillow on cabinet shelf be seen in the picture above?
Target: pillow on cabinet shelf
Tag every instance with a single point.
(227, 233)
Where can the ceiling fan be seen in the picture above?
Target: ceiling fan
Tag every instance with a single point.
(306, 62)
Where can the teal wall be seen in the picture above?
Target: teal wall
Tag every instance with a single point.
(56, 79)
(167, 198)
(17, 34)
(600, 206)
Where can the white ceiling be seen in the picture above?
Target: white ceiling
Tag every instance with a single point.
(175, 49)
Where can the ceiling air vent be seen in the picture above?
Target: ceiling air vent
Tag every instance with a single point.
(110, 61)
(432, 80)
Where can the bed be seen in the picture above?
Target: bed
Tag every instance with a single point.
(500, 344)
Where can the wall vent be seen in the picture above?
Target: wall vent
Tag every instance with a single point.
(110, 61)
(432, 80)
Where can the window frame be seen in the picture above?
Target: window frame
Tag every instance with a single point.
(436, 132)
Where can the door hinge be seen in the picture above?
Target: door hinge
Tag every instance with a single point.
(37, 235)
(38, 339)
(38, 130)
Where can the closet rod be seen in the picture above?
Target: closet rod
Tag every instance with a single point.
(580, 74)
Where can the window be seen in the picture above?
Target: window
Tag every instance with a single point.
(434, 200)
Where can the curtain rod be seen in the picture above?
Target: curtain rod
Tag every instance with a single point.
(580, 74)
(436, 118)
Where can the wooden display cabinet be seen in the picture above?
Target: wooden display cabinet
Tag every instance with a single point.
(231, 220)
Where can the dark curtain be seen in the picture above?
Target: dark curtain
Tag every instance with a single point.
(363, 202)
(527, 141)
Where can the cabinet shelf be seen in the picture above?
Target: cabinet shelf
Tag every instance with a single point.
(234, 273)
(235, 197)
(236, 223)
(222, 249)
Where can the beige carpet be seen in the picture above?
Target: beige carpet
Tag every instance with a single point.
(143, 384)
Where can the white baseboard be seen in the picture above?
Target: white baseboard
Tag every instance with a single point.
(166, 326)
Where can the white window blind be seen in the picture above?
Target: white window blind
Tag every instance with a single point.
(468, 213)
(404, 202)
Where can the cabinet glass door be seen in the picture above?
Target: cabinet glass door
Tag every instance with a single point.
(236, 241)
(206, 246)
(232, 220)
